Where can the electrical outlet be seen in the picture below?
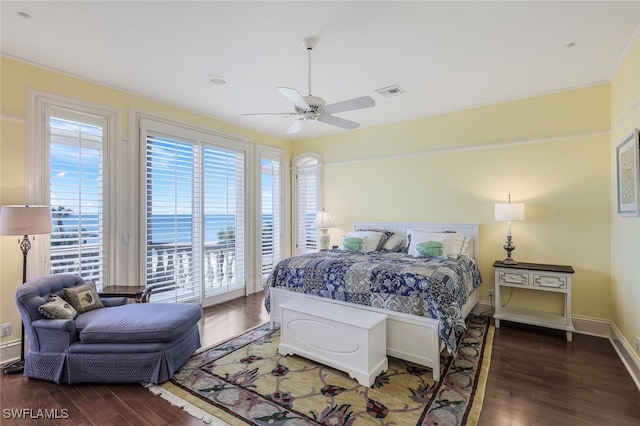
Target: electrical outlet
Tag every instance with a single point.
(6, 329)
(491, 294)
(638, 344)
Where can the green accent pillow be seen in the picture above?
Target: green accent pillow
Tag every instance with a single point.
(430, 248)
(57, 308)
(83, 298)
(352, 243)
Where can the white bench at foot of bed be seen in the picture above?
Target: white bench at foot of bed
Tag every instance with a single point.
(353, 341)
(409, 337)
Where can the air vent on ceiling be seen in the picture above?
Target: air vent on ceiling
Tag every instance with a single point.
(391, 91)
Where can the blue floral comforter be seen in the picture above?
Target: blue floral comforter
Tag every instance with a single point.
(426, 286)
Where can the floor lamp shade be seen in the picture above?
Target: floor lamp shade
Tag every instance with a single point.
(25, 221)
(323, 222)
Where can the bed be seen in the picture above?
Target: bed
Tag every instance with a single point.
(426, 293)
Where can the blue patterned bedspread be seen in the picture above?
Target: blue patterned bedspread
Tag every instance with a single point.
(425, 286)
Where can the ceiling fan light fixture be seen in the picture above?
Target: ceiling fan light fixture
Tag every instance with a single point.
(313, 108)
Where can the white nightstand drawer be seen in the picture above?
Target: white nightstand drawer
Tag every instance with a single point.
(554, 281)
(521, 278)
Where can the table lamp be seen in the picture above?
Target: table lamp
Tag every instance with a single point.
(509, 212)
(25, 221)
(323, 222)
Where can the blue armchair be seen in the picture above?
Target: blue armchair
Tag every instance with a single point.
(121, 342)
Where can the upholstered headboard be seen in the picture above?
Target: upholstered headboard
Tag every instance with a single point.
(466, 229)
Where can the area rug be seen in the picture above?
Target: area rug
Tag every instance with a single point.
(246, 381)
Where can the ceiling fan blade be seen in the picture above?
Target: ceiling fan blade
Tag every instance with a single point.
(295, 127)
(337, 121)
(350, 105)
(294, 96)
(285, 114)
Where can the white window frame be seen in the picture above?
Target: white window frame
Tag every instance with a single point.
(304, 164)
(185, 131)
(275, 155)
(37, 169)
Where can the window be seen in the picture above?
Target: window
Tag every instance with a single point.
(194, 213)
(76, 172)
(306, 177)
(271, 215)
(68, 170)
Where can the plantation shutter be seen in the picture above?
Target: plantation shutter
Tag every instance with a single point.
(224, 213)
(77, 145)
(271, 211)
(194, 214)
(307, 192)
(171, 232)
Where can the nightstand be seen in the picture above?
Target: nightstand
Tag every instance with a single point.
(534, 277)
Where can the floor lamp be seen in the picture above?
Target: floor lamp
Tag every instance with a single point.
(25, 221)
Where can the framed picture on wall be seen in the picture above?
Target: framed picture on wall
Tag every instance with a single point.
(628, 171)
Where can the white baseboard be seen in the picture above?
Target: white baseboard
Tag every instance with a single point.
(592, 326)
(629, 357)
(9, 351)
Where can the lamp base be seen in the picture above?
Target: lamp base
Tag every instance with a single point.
(323, 239)
(15, 367)
(509, 248)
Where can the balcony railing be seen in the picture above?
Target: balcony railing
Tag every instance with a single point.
(170, 267)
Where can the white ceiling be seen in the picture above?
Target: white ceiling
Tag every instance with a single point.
(445, 55)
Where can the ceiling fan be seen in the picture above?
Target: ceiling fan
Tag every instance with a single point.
(313, 108)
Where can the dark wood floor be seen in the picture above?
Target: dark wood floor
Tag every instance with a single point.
(536, 378)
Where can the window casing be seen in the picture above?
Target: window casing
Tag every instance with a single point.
(71, 150)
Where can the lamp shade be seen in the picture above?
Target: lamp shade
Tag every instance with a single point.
(25, 220)
(509, 212)
(323, 220)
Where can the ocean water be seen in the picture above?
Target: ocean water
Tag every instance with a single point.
(164, 228)
(168, 228)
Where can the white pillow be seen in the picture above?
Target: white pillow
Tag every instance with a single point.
(418, 237)
(466, 247)
(371, 239)
(393, 243)
(453, 243)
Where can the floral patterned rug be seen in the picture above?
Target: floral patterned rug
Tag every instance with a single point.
(246, 381)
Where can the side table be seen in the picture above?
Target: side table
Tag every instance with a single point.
(534, 277)
(139, 293)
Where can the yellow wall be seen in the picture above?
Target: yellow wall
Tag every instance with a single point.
(551, 152)
(625, 231)
(16, 78)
